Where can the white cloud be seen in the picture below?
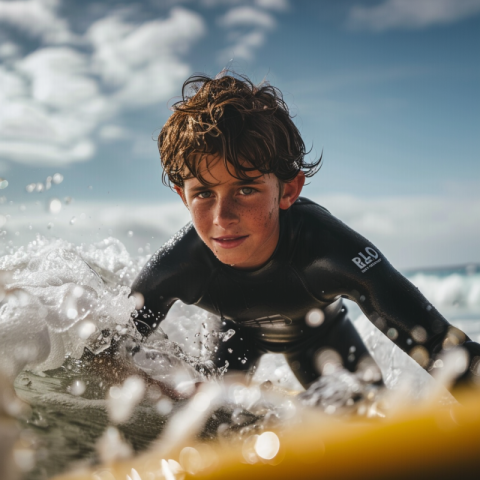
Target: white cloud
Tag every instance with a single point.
(11, 85)
(280, 5)
(245, 43)
(9, 50)
(113, 132)
(37, 18)
(53, 101)
(143, 62)
(244, 46)
(395, 14)
(247, 17)
(34, 153)
(216, 3)
(59, 76)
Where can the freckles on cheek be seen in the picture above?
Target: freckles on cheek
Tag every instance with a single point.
(269, 218)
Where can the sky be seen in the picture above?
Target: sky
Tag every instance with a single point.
(387, 90)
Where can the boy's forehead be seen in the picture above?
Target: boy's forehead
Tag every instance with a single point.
(212, 170)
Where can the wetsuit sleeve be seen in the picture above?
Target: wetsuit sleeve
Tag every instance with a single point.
(173, 273)
(352, 267)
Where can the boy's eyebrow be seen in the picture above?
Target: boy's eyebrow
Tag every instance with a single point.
(248, 181)
(240, 182)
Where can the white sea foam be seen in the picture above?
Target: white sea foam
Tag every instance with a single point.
(458, 294)
(58, 299)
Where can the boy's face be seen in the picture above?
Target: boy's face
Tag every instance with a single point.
(238, 220)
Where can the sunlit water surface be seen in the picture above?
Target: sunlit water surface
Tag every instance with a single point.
(63, 307)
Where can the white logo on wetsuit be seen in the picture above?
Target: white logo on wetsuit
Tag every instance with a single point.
(364, 262)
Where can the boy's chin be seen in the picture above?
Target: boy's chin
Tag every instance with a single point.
(239, 262)
(231, 260)
(228, 260)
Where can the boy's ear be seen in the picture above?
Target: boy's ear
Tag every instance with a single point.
(292, 190)
(180, 191)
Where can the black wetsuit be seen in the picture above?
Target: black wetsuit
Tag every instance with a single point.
(317, 261)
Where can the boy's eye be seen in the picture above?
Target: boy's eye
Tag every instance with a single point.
(206, 194)
(247, 190)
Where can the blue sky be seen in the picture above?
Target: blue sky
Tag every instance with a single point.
(387, 89)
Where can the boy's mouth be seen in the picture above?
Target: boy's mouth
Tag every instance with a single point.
(229, 241)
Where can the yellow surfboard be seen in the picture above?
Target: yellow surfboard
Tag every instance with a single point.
(423, 443)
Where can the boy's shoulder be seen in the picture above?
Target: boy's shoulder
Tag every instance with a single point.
(310, 216)
(183, 252)
(180, 269)
(320, 227)
(305, 206)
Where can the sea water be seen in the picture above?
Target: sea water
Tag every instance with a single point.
(64, 305)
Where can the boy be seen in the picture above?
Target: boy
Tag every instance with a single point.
(274, 266)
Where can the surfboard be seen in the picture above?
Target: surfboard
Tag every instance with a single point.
(440, 442)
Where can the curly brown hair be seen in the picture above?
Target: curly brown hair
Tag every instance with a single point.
(248, 126)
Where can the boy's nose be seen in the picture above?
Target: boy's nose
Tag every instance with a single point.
(225, 213)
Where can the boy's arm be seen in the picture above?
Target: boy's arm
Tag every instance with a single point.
(173, 273)
(355, 269)
(401, 312)
(153, 301)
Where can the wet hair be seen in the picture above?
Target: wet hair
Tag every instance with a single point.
(248, 126)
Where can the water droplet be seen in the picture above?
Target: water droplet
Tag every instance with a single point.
(39, 187)
(123, 399)
(86, 329)
(3, 183)
(267, 445)
(139, 300)
(73, 220)
(54, 205)
(315, 317)
(30, 187)
(392, 334)
(438, 364)
(72, 313)
(419, 334)
(50, 225)
(191, 460)
(77, 388)
(420, 355)
(130, 233)
(164, 406)
(228, 335)
(77, 291)
(57, 178)
(330, 410)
